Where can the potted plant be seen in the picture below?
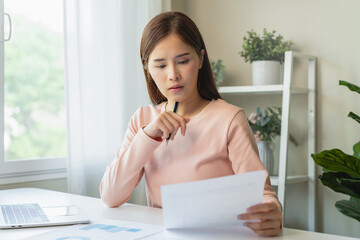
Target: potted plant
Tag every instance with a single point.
(341, 171)
(266, 54)
(218, 69)
(266, 126)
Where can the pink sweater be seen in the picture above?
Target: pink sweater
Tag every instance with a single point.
(218, 142)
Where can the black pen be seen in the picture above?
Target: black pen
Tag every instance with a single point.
(174, 110)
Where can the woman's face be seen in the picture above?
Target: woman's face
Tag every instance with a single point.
(174, 66)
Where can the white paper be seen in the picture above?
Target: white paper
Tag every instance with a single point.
(102, 229)
(223, 233)
(181, 234)
(211, 203)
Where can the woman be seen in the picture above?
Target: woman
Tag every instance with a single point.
(208, 137)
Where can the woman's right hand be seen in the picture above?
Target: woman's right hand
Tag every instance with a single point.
(166, 123)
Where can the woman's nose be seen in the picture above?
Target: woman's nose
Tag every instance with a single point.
(173, 73)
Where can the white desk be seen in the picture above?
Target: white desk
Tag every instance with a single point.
(96, 209)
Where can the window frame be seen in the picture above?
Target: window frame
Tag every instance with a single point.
(24, 170)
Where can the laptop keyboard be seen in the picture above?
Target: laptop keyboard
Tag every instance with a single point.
(23, 213)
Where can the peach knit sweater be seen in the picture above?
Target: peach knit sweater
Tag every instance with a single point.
(218, 142)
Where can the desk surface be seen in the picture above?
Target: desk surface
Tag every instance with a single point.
(96, 209)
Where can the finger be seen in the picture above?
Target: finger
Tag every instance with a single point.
(177, 121)
(262, 216)
(182, 121)
(171, 123)
(262, 207)
(175, 124)
(164, 126)
(165, 131)
(263, 225)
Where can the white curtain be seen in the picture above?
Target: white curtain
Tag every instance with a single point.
(105, 82)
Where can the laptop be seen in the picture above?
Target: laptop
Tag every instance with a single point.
(34, 215)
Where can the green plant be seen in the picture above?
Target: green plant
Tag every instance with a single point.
(265, 47)
(218, 69)
(341, 171)
(267, 125)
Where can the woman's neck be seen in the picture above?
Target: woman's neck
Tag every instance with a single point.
(188, 108)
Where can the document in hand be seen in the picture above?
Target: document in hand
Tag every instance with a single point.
(211, 203)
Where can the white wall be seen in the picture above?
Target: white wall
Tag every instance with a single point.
(328, 29)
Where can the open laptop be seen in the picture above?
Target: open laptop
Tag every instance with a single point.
(34, 215)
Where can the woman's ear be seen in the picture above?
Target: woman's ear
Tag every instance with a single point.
(202, 53)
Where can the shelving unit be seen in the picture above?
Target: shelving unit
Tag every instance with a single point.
(286, 90)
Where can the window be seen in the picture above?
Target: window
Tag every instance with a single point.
(32, 79)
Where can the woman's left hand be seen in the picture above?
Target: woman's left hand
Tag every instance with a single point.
(269, 216)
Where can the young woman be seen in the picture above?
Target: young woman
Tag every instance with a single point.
(208, 137)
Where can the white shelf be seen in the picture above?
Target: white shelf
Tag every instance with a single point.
(259, 89)
(289, 179)
(286, 92)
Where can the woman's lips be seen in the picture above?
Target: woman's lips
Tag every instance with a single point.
(176, 89)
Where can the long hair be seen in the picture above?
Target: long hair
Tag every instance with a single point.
(160, 27)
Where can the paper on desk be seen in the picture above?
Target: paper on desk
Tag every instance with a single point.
(234, 232)
(102, 229)
(214, 202)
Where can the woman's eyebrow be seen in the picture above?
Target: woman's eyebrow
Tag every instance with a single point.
(177, 56)
(181, 55)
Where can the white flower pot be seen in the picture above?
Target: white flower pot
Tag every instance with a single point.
(266, 72)
(266, 155)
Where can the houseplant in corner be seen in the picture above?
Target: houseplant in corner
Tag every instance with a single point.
(266, 54)
(341, 171)
(266, 126)
(218, 69)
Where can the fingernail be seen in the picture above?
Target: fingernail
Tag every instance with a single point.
(241, 217)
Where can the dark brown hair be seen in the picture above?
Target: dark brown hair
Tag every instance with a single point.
(160, 27)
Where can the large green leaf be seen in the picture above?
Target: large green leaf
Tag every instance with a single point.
(340, 182)
(354, 116)
(350, 208)
(337, 160)
(356, 149)
(351, 86)
(355, 200)
(352, 184)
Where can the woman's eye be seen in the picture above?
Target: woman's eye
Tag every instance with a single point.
(161, 66)
(183, 62)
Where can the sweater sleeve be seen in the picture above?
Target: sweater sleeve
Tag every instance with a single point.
(244, 155)
(124, 173)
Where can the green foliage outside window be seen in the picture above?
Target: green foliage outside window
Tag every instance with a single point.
(34, 92)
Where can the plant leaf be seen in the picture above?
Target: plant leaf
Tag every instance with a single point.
(350, 208)
(351, 86)
(340, 182)
(355, 200)
(352, 184)
(337, 160)
(356, 149)
(354, 116)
